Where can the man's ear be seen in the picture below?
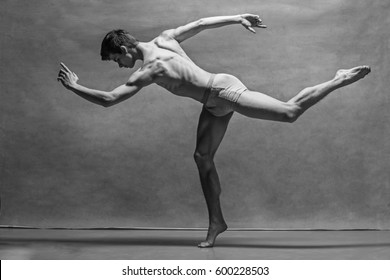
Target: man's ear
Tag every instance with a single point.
(124, 50)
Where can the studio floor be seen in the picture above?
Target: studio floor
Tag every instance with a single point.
(48, 244)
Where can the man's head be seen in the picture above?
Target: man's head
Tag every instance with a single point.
(119, 46)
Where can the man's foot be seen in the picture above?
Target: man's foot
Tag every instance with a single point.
(349, 76)
(213, 232)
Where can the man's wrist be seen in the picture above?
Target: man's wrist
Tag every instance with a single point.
(74, 87)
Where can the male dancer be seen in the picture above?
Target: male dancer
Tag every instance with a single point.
(166, 64)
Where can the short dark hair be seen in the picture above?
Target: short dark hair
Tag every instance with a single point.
(113, 41)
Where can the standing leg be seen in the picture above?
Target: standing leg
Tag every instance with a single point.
(211, 130)
(257, 105)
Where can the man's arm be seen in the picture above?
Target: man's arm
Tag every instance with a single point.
(186, 31)
(105, 98)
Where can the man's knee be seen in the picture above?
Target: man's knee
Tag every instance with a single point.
(204, 161)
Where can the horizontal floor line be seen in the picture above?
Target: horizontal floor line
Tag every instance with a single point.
(190, 229)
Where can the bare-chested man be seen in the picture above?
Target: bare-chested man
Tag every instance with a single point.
(166, 64)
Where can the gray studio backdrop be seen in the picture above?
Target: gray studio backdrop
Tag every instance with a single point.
(69, 163)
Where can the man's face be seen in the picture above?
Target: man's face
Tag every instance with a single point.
(123, 59)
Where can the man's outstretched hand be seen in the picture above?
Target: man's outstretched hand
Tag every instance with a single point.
(66, 77)
(250, 21)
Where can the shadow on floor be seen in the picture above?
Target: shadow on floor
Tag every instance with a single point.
(183, 242)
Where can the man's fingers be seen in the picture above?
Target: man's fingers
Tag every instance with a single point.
(252, 21)
(259, 23)
(64, 66)
(62, 74)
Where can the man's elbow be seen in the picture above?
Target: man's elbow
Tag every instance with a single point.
(200, 23)
(196, 26)
(108, 100)
(106, 104)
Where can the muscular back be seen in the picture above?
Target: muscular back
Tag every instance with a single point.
(166, 64)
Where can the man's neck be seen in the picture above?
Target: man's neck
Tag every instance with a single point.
(140, 51)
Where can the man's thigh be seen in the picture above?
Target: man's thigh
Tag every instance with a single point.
(211, 130)
(261, 106)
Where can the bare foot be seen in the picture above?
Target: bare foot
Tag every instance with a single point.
(349, 76)
(213, 232)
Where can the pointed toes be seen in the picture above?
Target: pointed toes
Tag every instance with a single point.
(205, 244)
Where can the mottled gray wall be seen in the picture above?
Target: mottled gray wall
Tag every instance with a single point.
(67, 162)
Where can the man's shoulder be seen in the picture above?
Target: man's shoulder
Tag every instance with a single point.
(143, 76)
(167, 35)
(148, 72)
(165, 41)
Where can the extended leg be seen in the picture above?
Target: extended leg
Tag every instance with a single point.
(211, 130)
(261, 106)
